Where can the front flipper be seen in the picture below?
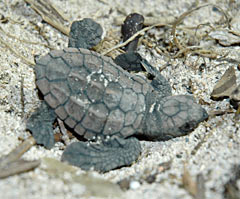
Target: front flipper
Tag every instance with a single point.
(130, 61)
(40, 124)
(103, 157)
(159, 82)
(85, 34)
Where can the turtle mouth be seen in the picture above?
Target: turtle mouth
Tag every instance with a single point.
(191, 125)
(188, 127)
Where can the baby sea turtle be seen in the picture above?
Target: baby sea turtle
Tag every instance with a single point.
(101, 102)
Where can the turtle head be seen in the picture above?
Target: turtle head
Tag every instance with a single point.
(173, 116)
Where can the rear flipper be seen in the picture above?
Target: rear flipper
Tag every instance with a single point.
(132, 61)
(103, 157)
(40, 124)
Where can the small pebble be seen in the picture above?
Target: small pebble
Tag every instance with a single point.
(134, 185)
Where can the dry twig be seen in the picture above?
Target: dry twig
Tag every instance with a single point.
(22, 96)
(26, 60)
(50, 14)
(11, 164)
(195, 188)
(133, 37)
(25, 41)
(183, 49)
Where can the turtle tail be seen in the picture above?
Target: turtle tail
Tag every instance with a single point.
(104, 156)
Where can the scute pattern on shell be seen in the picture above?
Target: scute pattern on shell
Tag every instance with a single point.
(92, 94)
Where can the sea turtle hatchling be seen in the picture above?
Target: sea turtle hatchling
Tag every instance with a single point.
(100, 101)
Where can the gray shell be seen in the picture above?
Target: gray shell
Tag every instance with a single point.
(91, 94)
